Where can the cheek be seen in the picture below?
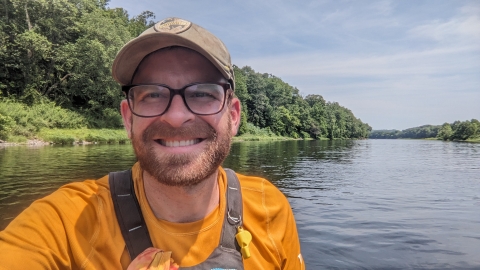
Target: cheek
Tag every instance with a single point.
(218, 122)
(225, 124)
(139, 125)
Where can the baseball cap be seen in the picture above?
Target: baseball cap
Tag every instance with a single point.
(166, 33)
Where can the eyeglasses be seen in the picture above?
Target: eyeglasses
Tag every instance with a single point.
(150, 100)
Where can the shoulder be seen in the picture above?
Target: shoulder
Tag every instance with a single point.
(79, 195)
(72, 223)
(263, 202)
(257, 189)
(87, 187)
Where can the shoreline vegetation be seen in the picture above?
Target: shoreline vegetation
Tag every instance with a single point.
(87, 136)
(104, 136)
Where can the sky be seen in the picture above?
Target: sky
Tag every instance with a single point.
(394, 64)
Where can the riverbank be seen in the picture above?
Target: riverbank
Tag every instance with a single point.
(437, 139)
(102, 136)
(250, 137)
(71, 136)
(118, 136)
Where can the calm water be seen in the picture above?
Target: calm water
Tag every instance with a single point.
(373, 204)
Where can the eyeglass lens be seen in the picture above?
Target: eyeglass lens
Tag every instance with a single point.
(152, 100)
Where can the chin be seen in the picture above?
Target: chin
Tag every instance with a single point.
(186, 169)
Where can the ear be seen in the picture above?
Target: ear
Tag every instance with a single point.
(127, 117)
(235, 111)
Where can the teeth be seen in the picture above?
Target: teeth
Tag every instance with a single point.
(180, 143)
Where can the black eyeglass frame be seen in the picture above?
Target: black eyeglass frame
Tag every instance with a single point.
(173, 92)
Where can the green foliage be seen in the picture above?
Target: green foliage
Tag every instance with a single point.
(422, 132)
(105, 136)
(28, 120)
(457, 131)
(445, 132)
(385, 134)
(254, 130)
(6, 126)
(106, 118)
(242, 129)
(271, 103)
(305, 135)
(464, 130)
(83, 135)
(242, 93)
(60, 139)
(17, 139)
(63, 51)
(139, 23)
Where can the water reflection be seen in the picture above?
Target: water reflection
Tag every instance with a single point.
(276, 160)
(28, 173)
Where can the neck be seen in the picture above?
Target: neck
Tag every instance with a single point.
(182, 204)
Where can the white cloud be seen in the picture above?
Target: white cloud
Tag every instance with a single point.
(429, 62)
(463, 28)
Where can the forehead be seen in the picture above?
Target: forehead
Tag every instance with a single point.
(176, 66)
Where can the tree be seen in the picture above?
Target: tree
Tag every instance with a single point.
(242, 93)
(62, 51)
(464, 130)
(318, 127)
(139, 23)
(445, 132)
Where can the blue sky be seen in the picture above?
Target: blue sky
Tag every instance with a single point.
(395, 64)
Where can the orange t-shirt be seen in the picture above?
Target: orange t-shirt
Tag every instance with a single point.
(76, 228)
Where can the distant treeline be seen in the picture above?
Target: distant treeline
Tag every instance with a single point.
(458, 130)
(269, 103)
(56, 56)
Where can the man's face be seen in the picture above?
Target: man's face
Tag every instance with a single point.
(180, 148)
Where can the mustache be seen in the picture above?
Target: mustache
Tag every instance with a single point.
(159, 129)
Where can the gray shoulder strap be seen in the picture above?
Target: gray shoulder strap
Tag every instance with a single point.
(128, 212)
(233, 217)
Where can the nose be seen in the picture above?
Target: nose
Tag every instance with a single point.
(178, 113)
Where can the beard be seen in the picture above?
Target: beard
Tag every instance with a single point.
(187, 169)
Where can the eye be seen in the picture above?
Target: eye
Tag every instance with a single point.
(199, 94)
(204, 92)
(150, 93)
(153, 95)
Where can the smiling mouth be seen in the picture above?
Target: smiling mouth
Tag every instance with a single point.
(171, 143)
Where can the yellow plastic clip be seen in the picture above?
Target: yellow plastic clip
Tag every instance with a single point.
(244, 238)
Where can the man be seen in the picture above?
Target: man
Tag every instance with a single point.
(180, 113)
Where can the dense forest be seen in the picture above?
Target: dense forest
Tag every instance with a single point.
(456, 131)
(55, 61)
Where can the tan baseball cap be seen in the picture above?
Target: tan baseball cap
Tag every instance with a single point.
(166, 33)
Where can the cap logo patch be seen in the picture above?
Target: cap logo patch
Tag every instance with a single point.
(172, 25)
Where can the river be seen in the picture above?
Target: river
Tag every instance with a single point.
(368, 204)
